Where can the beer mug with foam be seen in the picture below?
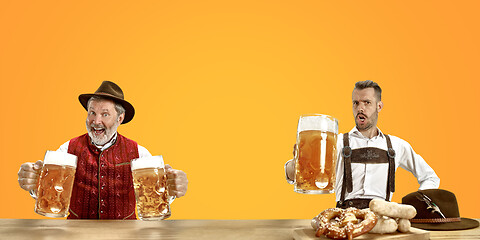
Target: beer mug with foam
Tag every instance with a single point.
(316, 154)
(150, 184)
(55, 184)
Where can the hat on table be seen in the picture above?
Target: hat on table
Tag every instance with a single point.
(111, 91)
(437, 209)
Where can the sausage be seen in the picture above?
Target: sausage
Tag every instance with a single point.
(392, 209)
(403, 225)
(385, 225)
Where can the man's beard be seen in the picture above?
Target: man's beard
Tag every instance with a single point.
(103, 138)
(371, 121)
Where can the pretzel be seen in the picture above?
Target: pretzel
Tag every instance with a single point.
(347, 223)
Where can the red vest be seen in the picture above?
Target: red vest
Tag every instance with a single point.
(103, 187)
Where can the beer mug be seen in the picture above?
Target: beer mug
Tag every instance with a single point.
(150, 184)
(316, 154)
(55, 184)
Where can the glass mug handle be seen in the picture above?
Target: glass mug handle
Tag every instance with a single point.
(33, 192)
(295, 159)
(169, 198)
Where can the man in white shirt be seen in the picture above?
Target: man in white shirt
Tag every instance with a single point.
(367, 158)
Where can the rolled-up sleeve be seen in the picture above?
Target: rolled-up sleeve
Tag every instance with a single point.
(64, 147)
(143, 152)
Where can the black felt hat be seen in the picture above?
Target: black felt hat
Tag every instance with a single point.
(437, 209)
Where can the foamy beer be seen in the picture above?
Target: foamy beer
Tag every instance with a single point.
(316, 154)
(150, 183)
(55, 184)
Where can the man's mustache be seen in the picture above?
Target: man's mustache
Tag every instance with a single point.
(97, 125)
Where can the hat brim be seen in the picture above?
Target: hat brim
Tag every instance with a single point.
(129, 110)
(465, 223)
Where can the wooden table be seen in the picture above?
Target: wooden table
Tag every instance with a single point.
(170, 229)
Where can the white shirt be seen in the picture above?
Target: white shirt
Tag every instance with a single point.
(370, 180)
(142, 152)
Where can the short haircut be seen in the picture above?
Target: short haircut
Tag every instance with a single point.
(370, 84)
(118, 107)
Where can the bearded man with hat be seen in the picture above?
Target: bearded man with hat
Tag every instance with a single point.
(103, 187)
(368, 158)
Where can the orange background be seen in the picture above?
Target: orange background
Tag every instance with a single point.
(218, 87)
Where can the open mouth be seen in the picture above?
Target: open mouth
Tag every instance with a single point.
(361, 118)
(98, 131)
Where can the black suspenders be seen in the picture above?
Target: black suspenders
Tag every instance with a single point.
(347, 169)
(347, 184)
(391, 168)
